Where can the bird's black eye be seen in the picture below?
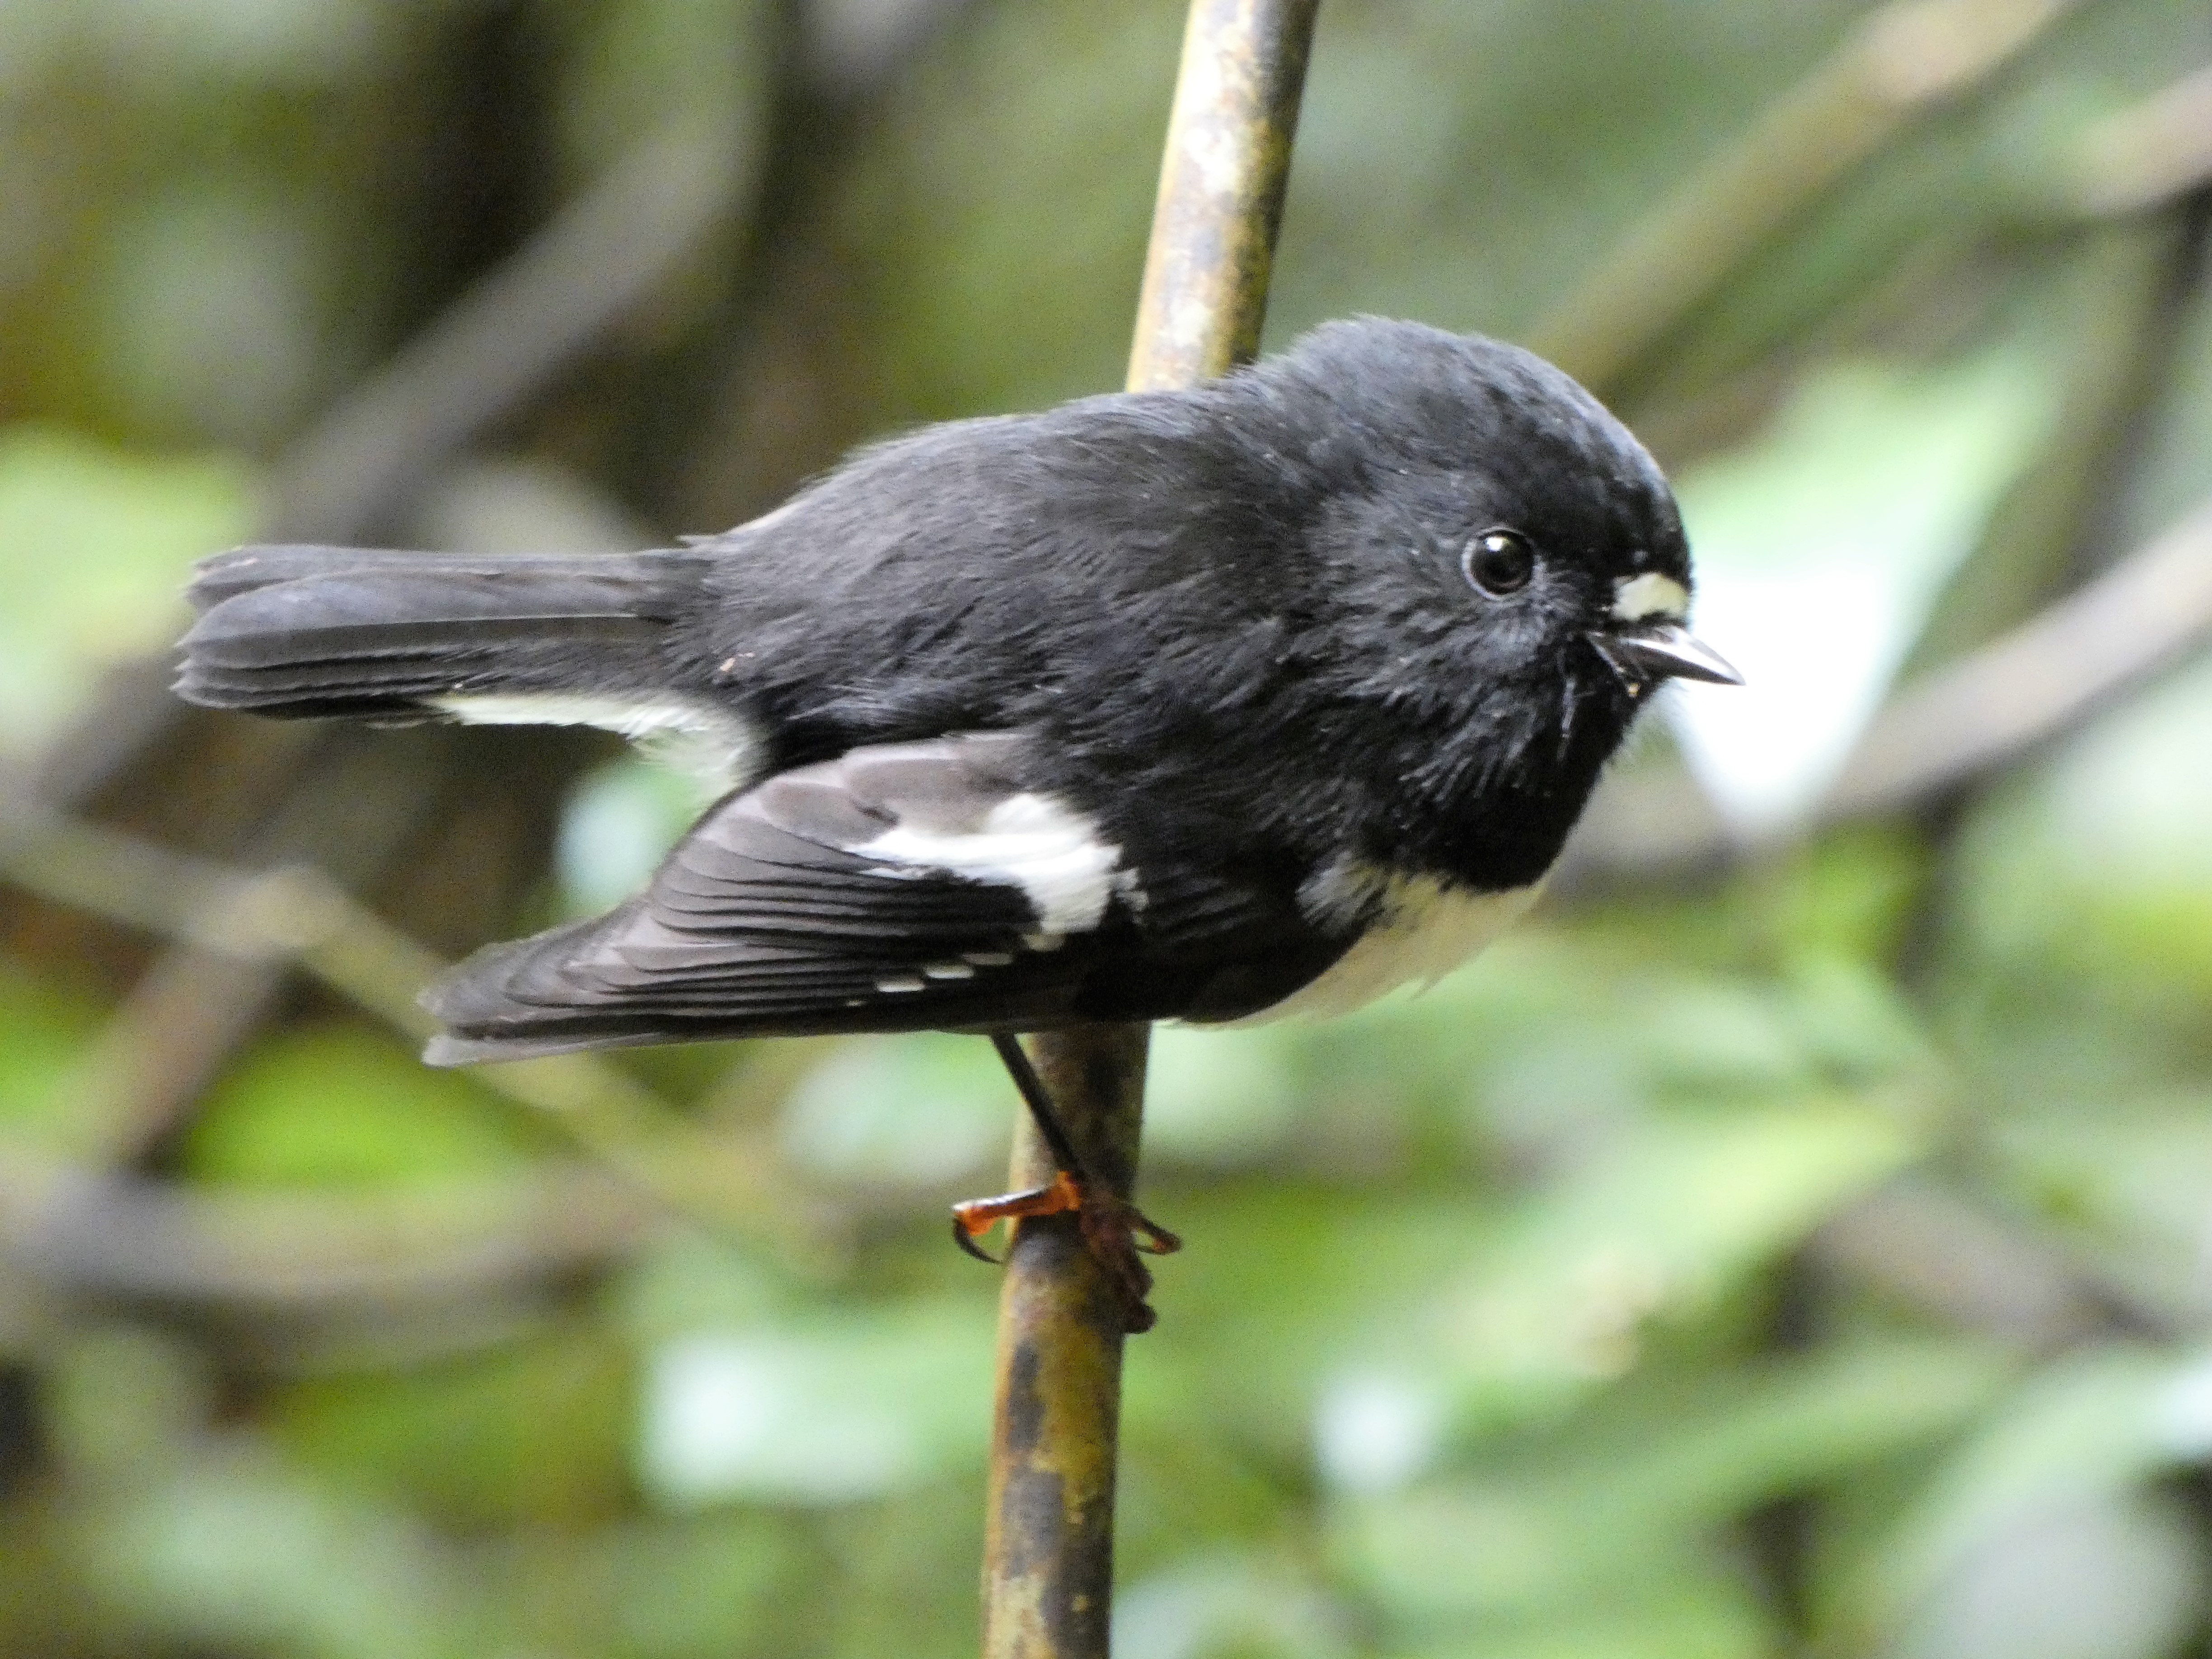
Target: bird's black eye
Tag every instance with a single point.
(1500, 562)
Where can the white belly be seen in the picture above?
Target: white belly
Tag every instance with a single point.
(1425, 931)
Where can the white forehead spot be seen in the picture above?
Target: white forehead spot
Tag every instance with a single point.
(1634, 597)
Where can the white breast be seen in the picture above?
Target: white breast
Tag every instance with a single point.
(1426, 930)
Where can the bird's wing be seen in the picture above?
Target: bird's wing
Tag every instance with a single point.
(901, 887)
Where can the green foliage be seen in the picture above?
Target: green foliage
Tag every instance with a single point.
(125, 528)
(1807, 1260)
(342, 1107)
(44, 1032)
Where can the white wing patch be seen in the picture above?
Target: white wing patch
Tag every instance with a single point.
(1052, 853)
(713, 743)
(1425, 930)
(1637, 597)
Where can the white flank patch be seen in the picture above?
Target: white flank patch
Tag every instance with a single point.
(711, 743)
(1636, 598)
(1424, 930)
(1055, 856)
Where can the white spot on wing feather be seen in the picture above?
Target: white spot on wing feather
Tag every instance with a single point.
(1053, 853)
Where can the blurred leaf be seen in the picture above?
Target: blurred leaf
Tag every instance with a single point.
(705, 1586)
(1231, 1607)
(821, 1408)
(633, 66)
(690, 1282)
(123, 1405)
(1278, 1284)
(304, 41)
(533, 1434)
(1821, 550)
(208, 311)
(2117, 1576)
(1403, 179)
(619, 823)
(339, 1106)
(235, 1555)
(905, 1582)
(2123, 1181)
(1602, 1508)
(44, 1033)
(1219, 1097)
(906, 1111)
(99, 545)
(2094, 874)
(1659, 1225)
(1700, 1615)
(2075, 1439)
(983, 302)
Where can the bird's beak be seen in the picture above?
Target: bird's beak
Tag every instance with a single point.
(1642, 656)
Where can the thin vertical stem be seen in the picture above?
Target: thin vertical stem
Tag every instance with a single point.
(1048, 1554)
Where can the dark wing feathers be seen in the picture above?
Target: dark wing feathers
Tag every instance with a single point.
(765, 919)
(774, 917)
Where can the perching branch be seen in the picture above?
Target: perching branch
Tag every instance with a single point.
(1049, 1556)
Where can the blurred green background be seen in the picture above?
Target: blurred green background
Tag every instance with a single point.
(1797, 1240)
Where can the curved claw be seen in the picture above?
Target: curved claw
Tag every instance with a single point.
(1116, 1231)
(1150, 1237)
(966, 1241)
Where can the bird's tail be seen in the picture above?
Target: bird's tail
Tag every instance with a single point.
(338, 630)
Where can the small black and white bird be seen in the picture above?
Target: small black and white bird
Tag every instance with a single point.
(1261, 697)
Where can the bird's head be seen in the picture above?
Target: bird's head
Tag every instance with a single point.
(1507, 563)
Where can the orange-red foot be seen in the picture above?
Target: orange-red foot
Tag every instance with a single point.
(1114, 1230)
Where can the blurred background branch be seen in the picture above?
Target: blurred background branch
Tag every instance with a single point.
(1985, 711)
(1899, 62)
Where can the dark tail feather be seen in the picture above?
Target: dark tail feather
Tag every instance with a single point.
(338, 630)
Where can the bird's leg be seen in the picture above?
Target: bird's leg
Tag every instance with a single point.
(1114, 1230)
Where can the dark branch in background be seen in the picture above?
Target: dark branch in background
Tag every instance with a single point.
(1899, 64)
(356, 472)
(307, 1279)
(426, 803)
(1950, 1259)
(297, 919)
(729, 433)
(1048, 1550)
(2041, 681)
(508, 338)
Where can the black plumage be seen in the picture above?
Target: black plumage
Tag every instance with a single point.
(1153, 705)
